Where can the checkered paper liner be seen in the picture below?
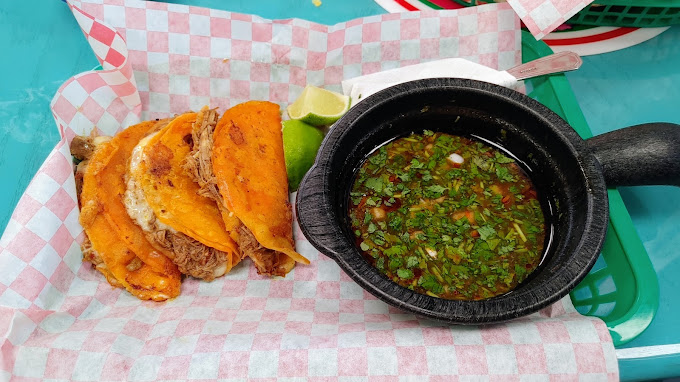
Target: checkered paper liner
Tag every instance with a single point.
(59, 319)
(544, 16)
(540, 16)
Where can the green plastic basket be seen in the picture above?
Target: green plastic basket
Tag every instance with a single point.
(620, 13)
(629, 13)
(622, 288)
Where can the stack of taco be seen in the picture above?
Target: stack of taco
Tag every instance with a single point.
(190, 195)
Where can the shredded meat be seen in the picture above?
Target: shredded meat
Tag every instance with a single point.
(268, 262)
(198, 163)
(79, 175)
(191, 256)
(82, 148)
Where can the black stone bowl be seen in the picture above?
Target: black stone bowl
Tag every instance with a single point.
(571, 176)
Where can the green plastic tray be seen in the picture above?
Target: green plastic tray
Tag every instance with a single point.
(620, 13)
(622, 288)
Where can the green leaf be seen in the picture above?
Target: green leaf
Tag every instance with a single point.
(380, 264)
(533, 229)
(504, 174)
(371, 228)
(404, 176)
(396, 223)
(493, 243)
(428, 133)
(416, 164)
(468, 201)
(481, 163)
(379, 238)
(437, 189)
(375, 184)
(412, 261)
(432, 284)
(405, 273)
(506, 248)
(395, 250)
(486, 232)
(364, 246)
(380, 158)
(396, 263)
(500, 158)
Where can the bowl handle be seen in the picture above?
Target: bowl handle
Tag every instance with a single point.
(313, 215)
(647, 154)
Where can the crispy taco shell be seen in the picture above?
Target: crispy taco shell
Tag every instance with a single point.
(120, 248)
(174, 197)
(250, 171)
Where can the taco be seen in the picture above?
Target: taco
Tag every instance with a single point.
(165, 201)
(114, 244)
(238, 162)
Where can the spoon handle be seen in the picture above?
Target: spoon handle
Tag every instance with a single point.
(554, 63)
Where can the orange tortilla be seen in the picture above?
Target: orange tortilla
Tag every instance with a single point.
(173, 195)
(110, 176)
(143, 281)
(249, 166)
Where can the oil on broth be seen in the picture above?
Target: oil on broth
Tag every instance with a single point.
(447, 216)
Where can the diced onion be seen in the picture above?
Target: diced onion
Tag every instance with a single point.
(456, 158)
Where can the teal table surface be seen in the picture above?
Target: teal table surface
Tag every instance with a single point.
(43, 47)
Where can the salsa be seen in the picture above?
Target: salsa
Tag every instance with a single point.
(447, 216)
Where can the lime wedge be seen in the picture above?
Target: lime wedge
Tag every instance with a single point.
(300, 144)
(318, 107)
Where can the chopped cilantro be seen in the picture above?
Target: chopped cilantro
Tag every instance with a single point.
(506, 248)
(500, 158)
(434, 191)
(486, 232)
(405, 273)
(374, 184)
(432, 284)
(395, 250)
(379, 158)
(412, 261)
(465, 245)
(416, 164)
(504, 174)
(371, 228)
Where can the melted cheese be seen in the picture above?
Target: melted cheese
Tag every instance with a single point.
(135, 201)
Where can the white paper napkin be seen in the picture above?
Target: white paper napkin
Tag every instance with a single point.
(358, 88)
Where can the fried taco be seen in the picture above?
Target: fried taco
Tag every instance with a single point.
(167, 204)
(238, 162)
(115, 245)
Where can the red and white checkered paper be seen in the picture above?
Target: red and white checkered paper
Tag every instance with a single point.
(544, 16)
(59, 319)
(540, 16)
